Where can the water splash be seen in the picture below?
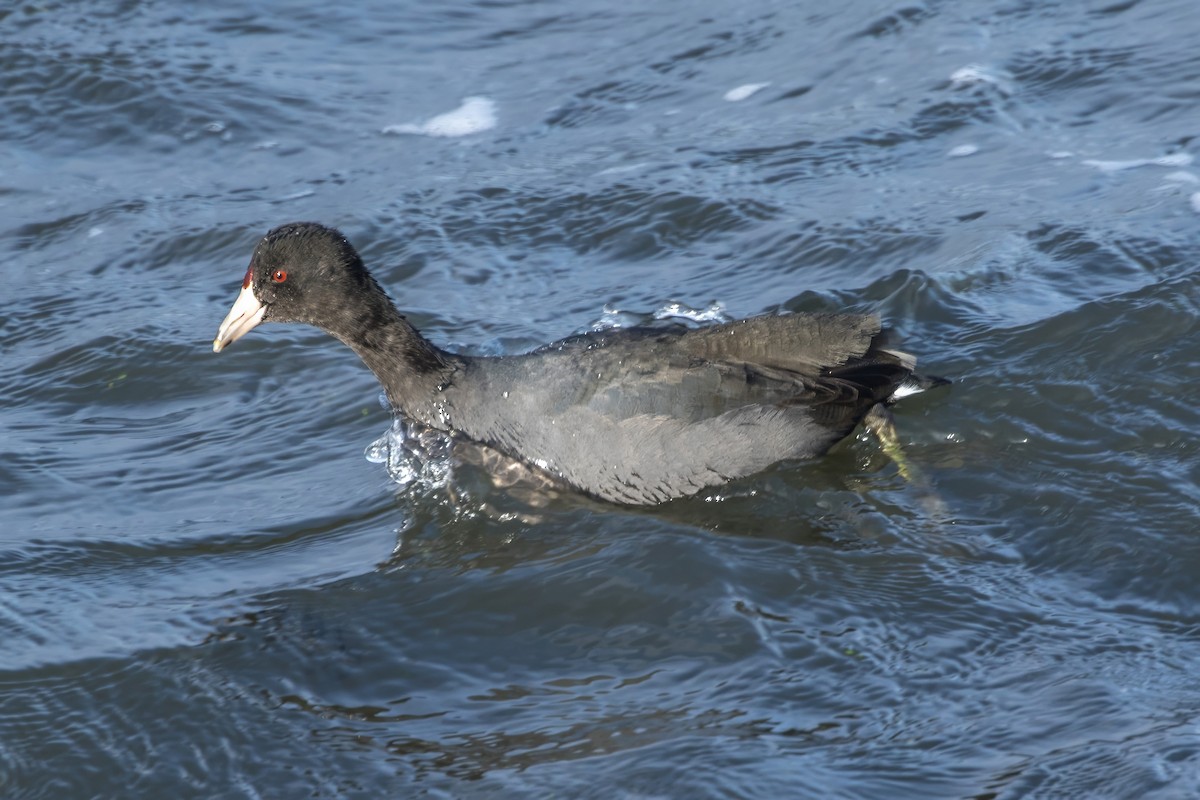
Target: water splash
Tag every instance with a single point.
(615, 318)
(714, 313)
(413, 455)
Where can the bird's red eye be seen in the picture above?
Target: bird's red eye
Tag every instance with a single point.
(279, 275)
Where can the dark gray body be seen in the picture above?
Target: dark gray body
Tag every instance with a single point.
(644, 416)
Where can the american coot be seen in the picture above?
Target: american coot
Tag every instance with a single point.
(635, 416)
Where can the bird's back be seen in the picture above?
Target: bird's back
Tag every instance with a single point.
(647, 415)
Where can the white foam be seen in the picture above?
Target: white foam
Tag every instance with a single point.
(963, 150)
(475, 115)
(977, 73)
(745, 91)
(1181, 176)
(1173, 160)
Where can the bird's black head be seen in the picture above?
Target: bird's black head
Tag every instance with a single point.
(301, 272)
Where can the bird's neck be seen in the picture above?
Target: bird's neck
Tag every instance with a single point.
(412, 370)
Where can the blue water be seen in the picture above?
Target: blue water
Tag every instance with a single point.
(206, 589)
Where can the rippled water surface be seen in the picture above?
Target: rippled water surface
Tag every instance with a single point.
(206, 589)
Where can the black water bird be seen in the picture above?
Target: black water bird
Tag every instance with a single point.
(635, 416)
